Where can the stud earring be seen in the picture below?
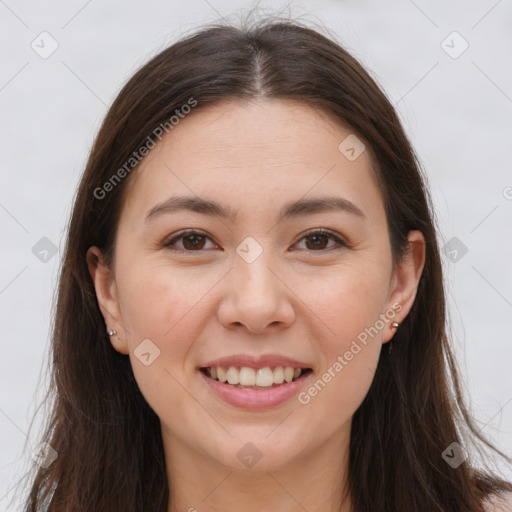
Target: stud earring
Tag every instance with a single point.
(394, 325)
(112, 332)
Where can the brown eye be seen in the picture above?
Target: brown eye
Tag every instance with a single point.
(319, 239)
(191, 241)
(194, 241)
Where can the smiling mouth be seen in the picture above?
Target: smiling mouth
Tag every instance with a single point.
(255, 378)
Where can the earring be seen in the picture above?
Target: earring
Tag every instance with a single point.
(112, 332)
(394, 325)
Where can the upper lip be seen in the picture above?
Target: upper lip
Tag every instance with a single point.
(270, 360)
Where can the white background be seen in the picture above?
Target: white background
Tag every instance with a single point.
(457, 112)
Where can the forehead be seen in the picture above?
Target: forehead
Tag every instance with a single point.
(252, 153)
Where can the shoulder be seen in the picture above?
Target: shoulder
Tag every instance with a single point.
(503, 503)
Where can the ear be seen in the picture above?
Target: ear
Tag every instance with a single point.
(404, 283)
(105, 286)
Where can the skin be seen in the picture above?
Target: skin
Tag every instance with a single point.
(303, 297)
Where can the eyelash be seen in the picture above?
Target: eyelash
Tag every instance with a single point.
(189, 232)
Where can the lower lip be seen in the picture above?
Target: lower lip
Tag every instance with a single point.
(254, 399)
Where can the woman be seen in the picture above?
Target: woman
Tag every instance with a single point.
(251, 309)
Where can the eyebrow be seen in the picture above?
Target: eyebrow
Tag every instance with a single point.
(294, 209)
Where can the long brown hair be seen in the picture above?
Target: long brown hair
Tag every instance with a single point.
(108, 439)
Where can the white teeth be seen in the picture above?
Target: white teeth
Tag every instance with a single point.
(278, 375)
(261, 377)
(288, 374)
(248, 377)
(221, 374)
(233, 376)
(264, 377)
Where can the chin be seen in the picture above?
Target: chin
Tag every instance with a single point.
(258, 452)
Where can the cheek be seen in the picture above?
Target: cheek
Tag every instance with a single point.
(346, 304)
(169, 307)
(347, 309)
(337, 392)
(162, 305)
(158, 302)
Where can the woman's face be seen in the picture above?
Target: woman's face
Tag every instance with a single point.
(262, 283)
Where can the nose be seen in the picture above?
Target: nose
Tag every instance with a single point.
(255, 297)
